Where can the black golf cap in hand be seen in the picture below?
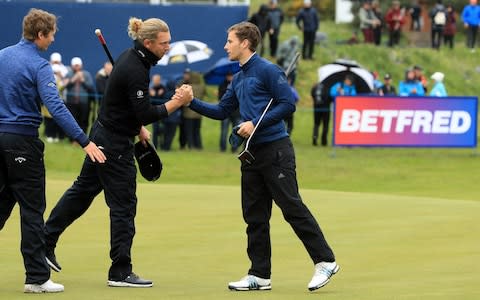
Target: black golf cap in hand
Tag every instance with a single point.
(148, 161)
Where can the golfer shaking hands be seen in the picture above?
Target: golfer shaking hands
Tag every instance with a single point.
(269, 173)
(125, 110)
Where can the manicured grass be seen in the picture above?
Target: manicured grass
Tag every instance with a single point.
(403, 221)
(190, 240)
(442, 173)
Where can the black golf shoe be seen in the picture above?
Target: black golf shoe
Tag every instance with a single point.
(131, 280)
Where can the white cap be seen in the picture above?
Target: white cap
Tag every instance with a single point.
(56, 57)
(76, 61)
(438, 76)
(307, 2)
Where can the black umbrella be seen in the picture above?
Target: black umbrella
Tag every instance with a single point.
(335, 72)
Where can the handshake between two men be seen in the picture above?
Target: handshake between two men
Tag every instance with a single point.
(184, 95)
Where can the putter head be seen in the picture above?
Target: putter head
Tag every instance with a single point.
(246, 156)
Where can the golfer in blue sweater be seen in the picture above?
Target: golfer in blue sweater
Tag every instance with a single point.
(27, 82)
(272, 175)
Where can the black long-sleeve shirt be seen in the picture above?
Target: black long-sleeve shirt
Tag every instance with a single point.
(126, 106)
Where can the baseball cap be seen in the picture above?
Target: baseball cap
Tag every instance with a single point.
(56, 57)
(387, 76)
(76, 61)
(438, 76)
(149, 162)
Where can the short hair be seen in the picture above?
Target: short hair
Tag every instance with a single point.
(247, 31)
(37, 21)
(141, 30)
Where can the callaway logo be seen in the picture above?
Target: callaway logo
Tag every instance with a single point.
(139, 94)
(52, 84)
(20, 159)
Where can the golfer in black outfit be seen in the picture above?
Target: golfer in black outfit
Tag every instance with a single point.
(124, 110)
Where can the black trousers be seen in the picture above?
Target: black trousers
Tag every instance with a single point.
(308, 44)
(321, 116)
(272, 176)
(436, 37)
(193, 133)
(273, 39)
(117, 178)
(23, 181)
(169, 134)
(393, 37)
(449, 40)
(472, 36)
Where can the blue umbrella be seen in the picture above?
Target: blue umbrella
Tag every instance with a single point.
(216, 74)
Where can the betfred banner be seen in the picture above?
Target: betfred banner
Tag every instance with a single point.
(405, 122)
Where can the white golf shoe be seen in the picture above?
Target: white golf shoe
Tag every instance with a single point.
(321, 276)
(250, 283)
(46, 287)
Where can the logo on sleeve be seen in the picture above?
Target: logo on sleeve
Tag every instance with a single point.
(139, 94)
(52, 84)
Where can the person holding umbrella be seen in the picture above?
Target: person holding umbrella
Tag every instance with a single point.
(344, 88)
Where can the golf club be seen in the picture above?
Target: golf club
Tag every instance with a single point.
(246, 155)
(99, 34)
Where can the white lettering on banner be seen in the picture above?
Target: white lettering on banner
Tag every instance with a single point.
(388, 116)
(404, 119)
(416, 121)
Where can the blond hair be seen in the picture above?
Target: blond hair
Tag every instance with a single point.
(37, 21)
(140, 30)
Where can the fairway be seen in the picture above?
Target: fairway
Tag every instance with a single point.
(191, 241)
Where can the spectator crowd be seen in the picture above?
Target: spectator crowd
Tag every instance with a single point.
(83, 92)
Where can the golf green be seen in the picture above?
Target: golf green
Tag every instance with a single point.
(191, 242)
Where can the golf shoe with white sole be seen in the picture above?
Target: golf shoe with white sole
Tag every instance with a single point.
(251, 283)
(322, 274)
(46, 287)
